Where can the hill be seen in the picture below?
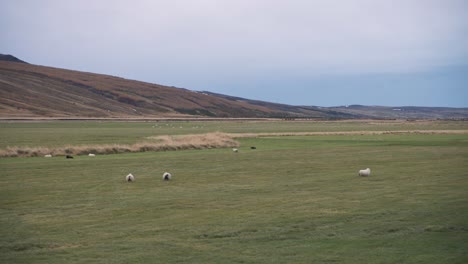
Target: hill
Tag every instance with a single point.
(404, 112)
(6, 57)
(33, 91)
(361, 111)
(294, 111)
(28, 90)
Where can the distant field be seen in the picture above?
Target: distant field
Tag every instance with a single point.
(51, 134)
(294, 199)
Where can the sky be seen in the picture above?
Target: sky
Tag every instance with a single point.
(299, 52)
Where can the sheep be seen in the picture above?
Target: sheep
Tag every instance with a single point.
(167, 176)
(235, 150)
(130, 178)
(365, 172)
(92, 155)
(69, 157)
(48, 156)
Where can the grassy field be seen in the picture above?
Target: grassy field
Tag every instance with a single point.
(53, 133)
(294, 199)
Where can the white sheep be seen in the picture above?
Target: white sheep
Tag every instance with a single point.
(365, 172)
(92, 155)
(235, 150)
(48, 156)
(167, 176)
(130, 178)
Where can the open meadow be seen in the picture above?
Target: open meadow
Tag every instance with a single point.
(293, 199)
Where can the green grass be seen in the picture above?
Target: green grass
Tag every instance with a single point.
(54, 134)
(292, 200)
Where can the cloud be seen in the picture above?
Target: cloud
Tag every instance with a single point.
(309, 36)
(205, 43)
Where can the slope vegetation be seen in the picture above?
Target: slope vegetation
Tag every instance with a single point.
(28, 90)
(33, 91)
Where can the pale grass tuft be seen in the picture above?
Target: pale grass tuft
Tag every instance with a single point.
(157, 143)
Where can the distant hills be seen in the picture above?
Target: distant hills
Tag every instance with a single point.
(11, 58)
(404, 112)
(32, 91)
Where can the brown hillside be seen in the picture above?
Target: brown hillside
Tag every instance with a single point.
(36, 91)
(32, 91)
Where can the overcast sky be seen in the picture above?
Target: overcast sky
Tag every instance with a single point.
(310, 52)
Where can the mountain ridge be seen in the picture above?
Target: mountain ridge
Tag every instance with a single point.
(34, 91)
(11, 58)
(39, 91)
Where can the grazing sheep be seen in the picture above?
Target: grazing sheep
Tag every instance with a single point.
(167, 176)
(48, 156)
(365, 172)
(130, 178)
(235, 150)
(92, 155)
(69, 157)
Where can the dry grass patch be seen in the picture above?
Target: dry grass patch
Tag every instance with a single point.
(157, 143)
(193, 141)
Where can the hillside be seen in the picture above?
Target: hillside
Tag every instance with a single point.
(404, 112)
(28, 90)
(4, 57)
(361, 111)
(32, 91)
(294, 111)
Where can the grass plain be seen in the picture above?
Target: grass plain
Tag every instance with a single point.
(294, 199)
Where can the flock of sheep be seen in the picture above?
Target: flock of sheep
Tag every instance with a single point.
(130, 178)
(167, 176)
